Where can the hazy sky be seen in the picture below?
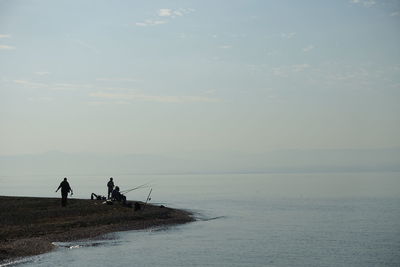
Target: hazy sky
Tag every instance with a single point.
(206, 75)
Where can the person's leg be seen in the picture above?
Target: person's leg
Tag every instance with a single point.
(64, 199)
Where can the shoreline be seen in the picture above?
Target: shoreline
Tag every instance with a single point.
(30, 225)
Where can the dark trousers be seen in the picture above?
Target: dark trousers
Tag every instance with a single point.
(109, 192)
(64, 199)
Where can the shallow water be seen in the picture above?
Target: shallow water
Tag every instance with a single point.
(244, 220)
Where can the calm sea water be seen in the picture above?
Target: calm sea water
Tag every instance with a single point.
(319, 219)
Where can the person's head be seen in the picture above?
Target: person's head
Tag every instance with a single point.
(111, 179)
(65, 179)
(117, 188)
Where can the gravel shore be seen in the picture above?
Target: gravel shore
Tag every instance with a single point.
(29, 225)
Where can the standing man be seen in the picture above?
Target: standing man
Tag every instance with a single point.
(65, 189)
(110, 186)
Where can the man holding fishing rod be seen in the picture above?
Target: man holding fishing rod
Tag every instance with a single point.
(118, 195)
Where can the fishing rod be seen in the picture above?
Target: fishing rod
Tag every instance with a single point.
(137, 187)
(148, 198)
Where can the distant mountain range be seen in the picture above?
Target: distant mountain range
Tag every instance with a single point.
(328, 160)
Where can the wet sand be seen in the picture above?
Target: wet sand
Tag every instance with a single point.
(29, 225)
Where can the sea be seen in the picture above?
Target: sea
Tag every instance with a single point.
(256, 219)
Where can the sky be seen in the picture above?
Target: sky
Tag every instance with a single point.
(170, 77)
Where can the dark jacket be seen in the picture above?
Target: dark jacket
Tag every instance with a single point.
(65, 188)
(117, 195)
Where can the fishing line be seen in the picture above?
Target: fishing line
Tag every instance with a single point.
(135, 188)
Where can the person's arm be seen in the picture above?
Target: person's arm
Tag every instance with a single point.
(58, 187)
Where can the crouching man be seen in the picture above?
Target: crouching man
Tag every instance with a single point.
(116, 195)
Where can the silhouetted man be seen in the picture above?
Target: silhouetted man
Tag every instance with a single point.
(110, 186)
(65, 189)
(116, 195)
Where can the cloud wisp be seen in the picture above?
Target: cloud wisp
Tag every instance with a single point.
(30, 84)
(289, 35)
(286, 71)
(167, 12)
(365, 3)
(114, 94)
(163, 16)
(52, 86)
(151, 98)
(7, 47)
(42, 73)
(150, 22)
(117, 79)
(308, 48)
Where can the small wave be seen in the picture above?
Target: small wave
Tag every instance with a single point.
(206, 219)
(199, 215)
(85, 244)
(16, 262)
